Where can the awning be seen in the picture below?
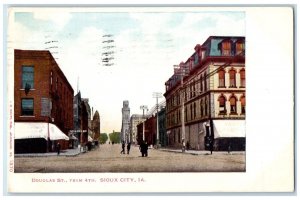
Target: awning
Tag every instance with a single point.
(229, 128)
(28, 130)
(72, 137)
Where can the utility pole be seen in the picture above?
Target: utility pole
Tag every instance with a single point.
(182, 114)
(157, 95)
(182, 72)
(144, 107)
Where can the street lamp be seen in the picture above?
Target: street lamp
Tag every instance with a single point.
(157, 95)
(144, 107)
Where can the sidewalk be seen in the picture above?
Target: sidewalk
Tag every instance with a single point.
(202, 152)
(67, 152)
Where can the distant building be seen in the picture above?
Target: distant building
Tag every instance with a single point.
(76, 132)
(89, 115)
(207, 95)
(96, 126)
(135, 119)
(43, 103)
(125, 122)
(163, 139)
(149, 131)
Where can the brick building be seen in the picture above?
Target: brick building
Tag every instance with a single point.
(150, 131)
(206, 97)
(43, 102)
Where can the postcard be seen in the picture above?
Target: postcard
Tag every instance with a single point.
(149, 99)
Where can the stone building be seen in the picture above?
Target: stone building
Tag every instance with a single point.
(125, 122)
(135, 119)
(206, 97)
(96, 126)
(43, 102)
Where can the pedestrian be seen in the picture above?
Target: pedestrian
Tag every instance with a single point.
(211, 146)
(128, 147)
(144, 149)
(187, 145)
(123, 148)
(229, 148)
(58, 148)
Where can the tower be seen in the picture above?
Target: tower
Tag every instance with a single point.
(125, 135)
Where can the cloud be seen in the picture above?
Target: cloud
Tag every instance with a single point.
(144, 54)
(59, 18)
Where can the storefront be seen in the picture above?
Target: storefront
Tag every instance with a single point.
(229, 134)
(32, 137)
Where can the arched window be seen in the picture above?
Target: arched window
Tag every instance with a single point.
(195, 108)
(191, 111)
(222, 104)
(232, 81)
(243, 104)
(201, 108)
(201, 84)
(232, 104)
(243, 78)
(204, 79)
(222, 78)
(240, 48)
(226, 48)
(206, 108)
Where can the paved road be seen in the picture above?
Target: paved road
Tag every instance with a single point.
(107, 158)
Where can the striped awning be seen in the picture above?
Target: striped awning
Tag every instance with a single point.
(29, 130)
(229, 128)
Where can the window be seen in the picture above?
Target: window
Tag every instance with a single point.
(232, 78)
(27, 107)
(222, 105)
(206, 108)
(240, 48)
(27, 77)
(201, 108)
(51, 78)
(204, 79)
(195, 109)
(243, 105)
(232, 105)
(191, 111)
(243, 80)
(201, 85)
(226, 48)
(221, 78)
(196, 58)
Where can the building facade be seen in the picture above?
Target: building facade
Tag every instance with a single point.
(96, 127)
(162, 127)
(206, 97)
(43, 102)
(150, 130)
(125, 122)
(135, 119)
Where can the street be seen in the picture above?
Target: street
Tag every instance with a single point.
(107, 158)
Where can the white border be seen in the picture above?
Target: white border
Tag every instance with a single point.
(272, 170)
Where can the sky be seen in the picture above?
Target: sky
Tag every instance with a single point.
(140, 48)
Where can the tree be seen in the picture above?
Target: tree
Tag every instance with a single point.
(103, 138)
(115, 137)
